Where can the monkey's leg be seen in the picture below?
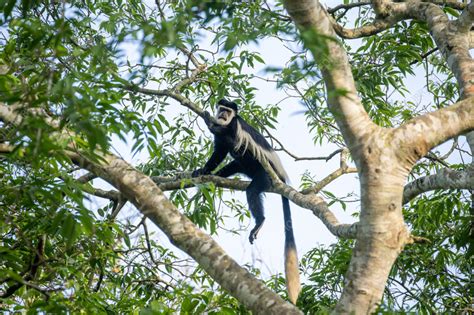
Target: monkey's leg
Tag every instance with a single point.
(259, 184)
(230, 169)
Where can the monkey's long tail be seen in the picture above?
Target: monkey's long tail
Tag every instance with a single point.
(291, 258)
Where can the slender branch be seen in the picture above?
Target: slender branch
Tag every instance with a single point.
(168, 93)
(328, 179)
(148, 242)
(107, 194)
(425, 55)
(298, 158)
(451, 150)
(86, 178)
(190, 79)
(432, 157)
(348, 6)
(191, 57)
(31, 272)
(118, 205)
(343, 169)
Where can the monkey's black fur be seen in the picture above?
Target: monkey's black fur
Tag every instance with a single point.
(232, 135)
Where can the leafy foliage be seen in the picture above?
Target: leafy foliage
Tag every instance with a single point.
(63, 250)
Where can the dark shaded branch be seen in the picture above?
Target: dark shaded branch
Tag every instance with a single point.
(86, 178)
(348, 6)
(366, 30)
(31, 273)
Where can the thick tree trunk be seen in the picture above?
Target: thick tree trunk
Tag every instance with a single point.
(381, 236)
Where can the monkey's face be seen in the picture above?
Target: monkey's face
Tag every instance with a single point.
(224, 115)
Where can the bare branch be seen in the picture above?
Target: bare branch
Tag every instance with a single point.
(328, 179)
(118, 206)
(343, 169)
(148, 242)
(348, 6)
(343, 100)
(379, 25)
(107, 194)
(297, 158)
(86, 178)
(168, 93)
(191, 57)
(190, 79)
(444, 179)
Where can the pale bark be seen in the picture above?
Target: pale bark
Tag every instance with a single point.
(415, 138)
(444, 179)
(383, 157)
(343, 99)
(452, 38)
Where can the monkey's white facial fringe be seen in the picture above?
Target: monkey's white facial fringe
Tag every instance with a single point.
(224, 121)
(245, 142)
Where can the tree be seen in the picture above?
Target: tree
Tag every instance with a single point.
(70, 91)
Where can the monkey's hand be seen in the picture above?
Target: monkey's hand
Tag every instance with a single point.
(199, 172)
(207, 118)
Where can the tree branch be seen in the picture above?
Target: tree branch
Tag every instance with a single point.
(419, 135)
(168, 93)
(448, 3)
(343, 101)
(343, 169)
(464, 22)
(444, 179)
(297, 158)
(452, 38)
(378, 26)
(348, 6)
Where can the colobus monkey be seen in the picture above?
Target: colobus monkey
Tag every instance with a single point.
(248, 148)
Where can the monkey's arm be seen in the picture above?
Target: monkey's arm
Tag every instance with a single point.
(219, 154)
(214, 127)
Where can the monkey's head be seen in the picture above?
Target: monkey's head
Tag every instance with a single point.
(226, 111)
